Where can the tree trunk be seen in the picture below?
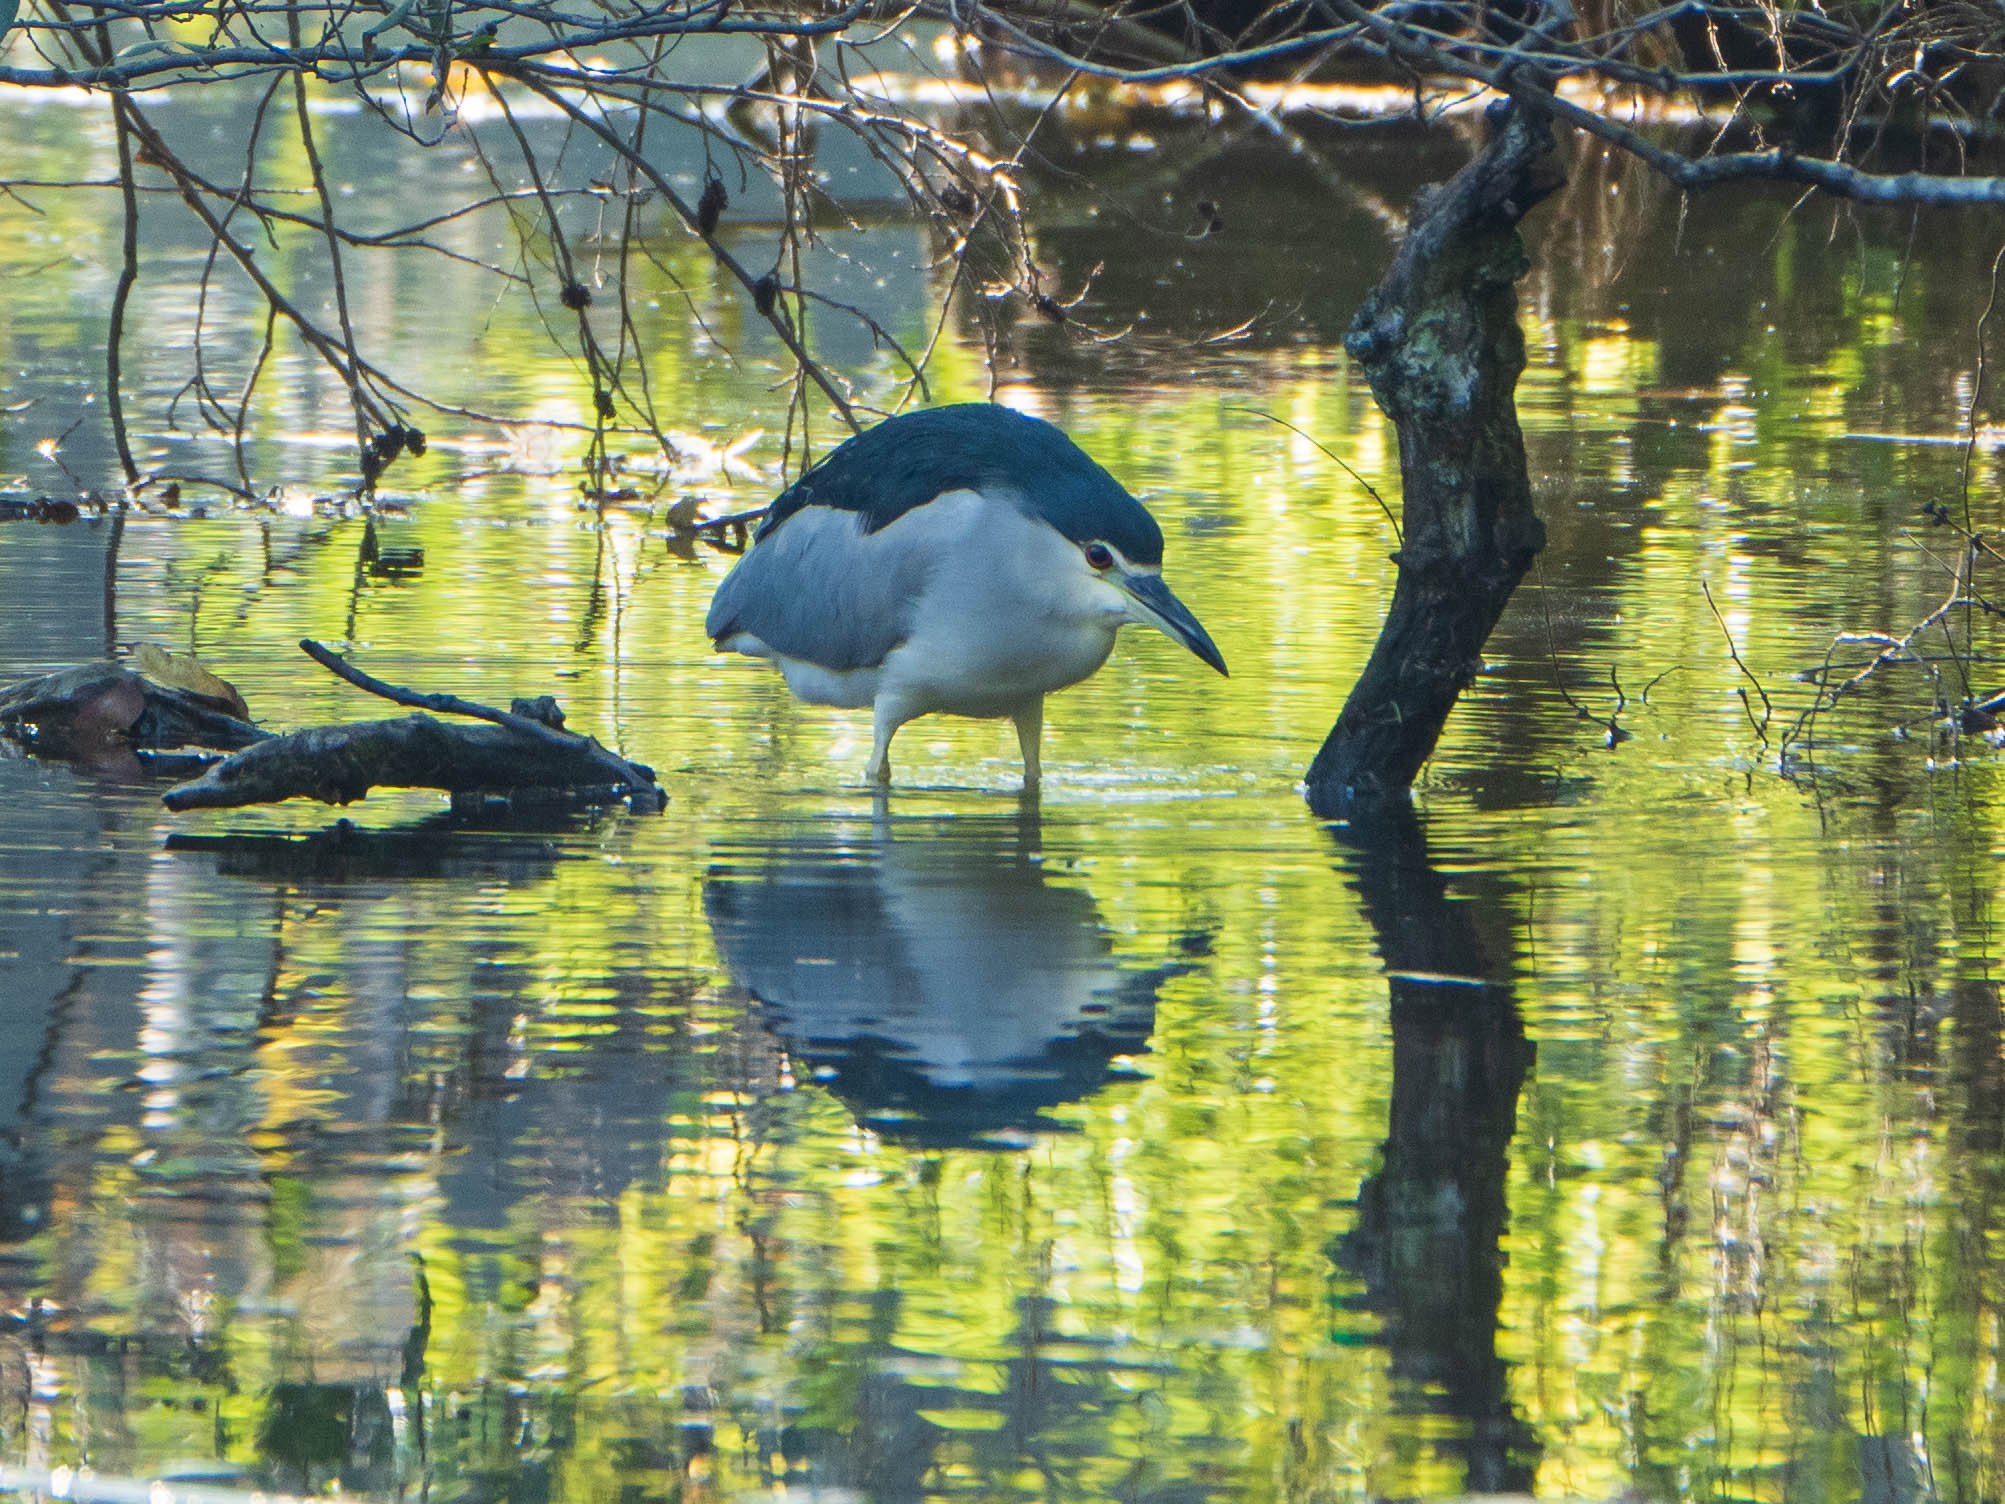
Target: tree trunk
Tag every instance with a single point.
(1440, 342)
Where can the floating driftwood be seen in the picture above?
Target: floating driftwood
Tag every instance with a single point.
(94, 709)
(521, 752)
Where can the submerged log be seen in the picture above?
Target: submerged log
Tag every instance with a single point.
(340, 764)
(1439, 340)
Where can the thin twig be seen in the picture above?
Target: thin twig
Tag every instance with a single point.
(1659, 679)
(340, 281)
(1977, 388)
(128, 274)
(1767, 706)
(804, 362)
(643, 790)
(1608, 723)
(1370, 489)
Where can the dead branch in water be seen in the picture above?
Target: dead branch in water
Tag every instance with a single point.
(522, 749)
(340, 764)
(1960, 709)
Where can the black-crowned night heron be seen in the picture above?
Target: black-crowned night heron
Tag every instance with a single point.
(967, 560)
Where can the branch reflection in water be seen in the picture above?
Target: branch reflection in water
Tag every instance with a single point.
(931, 973)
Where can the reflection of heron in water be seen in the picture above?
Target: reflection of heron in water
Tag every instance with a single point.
(944, 988)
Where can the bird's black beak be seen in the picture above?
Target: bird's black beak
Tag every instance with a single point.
(1162, 610)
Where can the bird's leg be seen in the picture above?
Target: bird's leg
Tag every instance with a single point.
(1030, 732)
(885, 722)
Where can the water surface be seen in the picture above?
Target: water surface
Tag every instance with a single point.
(1636, 1123)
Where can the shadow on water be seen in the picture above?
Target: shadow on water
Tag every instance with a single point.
(937, 982)
(1426, 1243)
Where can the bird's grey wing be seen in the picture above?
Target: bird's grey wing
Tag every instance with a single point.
(820, 589)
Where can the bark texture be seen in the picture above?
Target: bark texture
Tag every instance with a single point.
(1439, 340)
(340, 764)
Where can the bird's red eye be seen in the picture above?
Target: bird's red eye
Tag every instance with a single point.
(1099, 556)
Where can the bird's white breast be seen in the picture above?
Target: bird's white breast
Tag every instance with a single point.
(1008, 611)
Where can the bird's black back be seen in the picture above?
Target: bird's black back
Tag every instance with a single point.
(907, 461)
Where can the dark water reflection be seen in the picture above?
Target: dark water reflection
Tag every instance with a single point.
(1636, 1124)
(1426, 1243)
(937, 982)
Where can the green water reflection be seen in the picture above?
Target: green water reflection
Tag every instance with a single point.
(1637, 1124)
